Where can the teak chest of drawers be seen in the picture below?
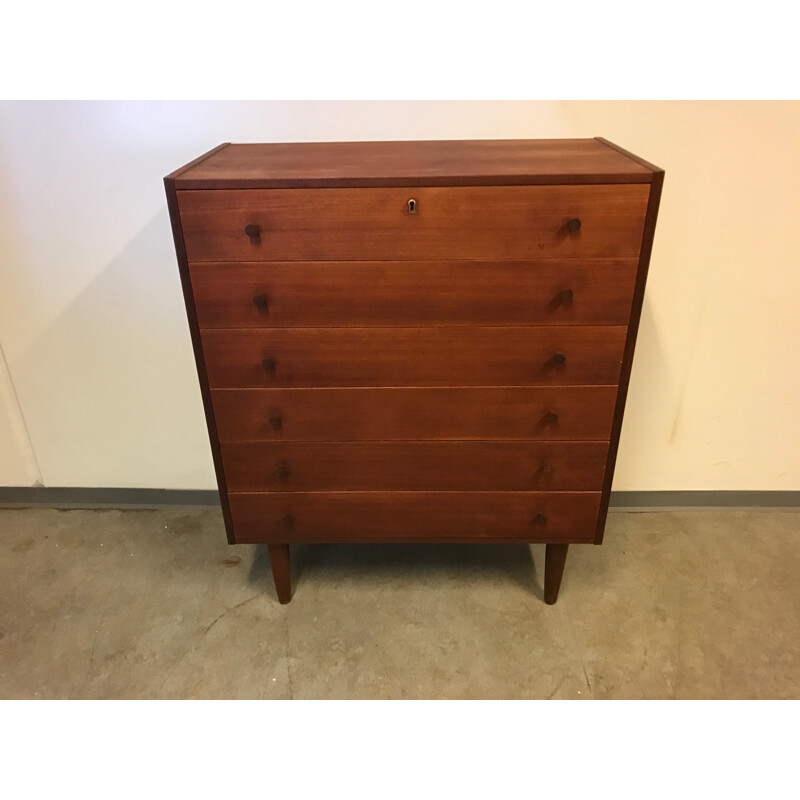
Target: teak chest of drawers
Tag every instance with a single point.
(414, 341)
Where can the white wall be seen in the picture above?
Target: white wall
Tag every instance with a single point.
(95, 336)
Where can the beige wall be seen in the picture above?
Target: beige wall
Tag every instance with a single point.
(17, 462)
(95, 337)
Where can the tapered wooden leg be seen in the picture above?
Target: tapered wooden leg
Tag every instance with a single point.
(555, 556)
(279, 561)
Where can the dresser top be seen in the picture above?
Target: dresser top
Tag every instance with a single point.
(429, 163)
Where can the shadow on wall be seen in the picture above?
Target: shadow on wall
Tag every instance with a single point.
(650, 378)
(117, 366)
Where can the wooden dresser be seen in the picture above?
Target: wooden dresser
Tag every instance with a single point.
(414, 341)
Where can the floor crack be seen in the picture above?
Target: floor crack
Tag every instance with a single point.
(228, 611)
(558, 686)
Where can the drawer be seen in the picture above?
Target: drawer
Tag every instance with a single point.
(414, 466)
(414, 516)
(574, 412)
(495, 222)
(495, 356)
(369, 293)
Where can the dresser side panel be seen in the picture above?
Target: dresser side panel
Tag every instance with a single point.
(630, 345)
(194, 330)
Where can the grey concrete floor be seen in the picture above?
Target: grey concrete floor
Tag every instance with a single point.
(155, 604)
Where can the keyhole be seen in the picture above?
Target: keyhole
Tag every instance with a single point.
(412, 206)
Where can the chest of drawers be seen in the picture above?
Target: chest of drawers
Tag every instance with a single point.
(414, 341)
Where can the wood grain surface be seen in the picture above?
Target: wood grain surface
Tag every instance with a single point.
(369, 293)
(414, 516)
(557, 355)
(642, 270)
(584, 413)
(474, 222)
(431, 163)
(414, 466)
(194, 333)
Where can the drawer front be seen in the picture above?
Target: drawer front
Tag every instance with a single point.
(575, 412)
(448, 222)
(414, 516)
(488, 356)
(347, 294)
(414, 466)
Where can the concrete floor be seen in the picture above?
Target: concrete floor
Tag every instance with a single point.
(155, 604)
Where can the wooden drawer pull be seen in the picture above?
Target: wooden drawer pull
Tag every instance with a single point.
(261, 301)
(566, 296)
(547, 469)
(540, 519)
(281, 472)
(268, 364)
(276, 422)
(254, 232)
(574, 225)
(550, 418)
(288, 522)
(559, 359)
